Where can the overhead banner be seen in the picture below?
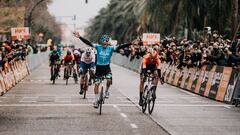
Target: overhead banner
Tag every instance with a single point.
(113, 42)
(20, 33)
(11, 17)
(151, 38)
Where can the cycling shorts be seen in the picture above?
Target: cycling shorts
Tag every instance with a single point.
(103, 71)
(85, 67)
(151, 67)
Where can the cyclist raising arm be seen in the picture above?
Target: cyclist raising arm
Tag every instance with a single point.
(104, 53)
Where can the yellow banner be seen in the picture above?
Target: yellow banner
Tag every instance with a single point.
(11, 17)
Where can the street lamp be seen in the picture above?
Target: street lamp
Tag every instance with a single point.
(29, 19)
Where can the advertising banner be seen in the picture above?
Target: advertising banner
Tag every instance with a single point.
(151, 38)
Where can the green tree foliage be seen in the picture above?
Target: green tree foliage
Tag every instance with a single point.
(42, 21)
(125, 20)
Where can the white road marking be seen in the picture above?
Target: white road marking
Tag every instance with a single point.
(115, 106)
(187, 92)
(123, 115)
(28, 99)
(134, 125)
(123, 105)
(228, 106)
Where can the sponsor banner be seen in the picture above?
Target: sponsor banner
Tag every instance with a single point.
(209, 82)
(237, 87)
(174, 74)
(204, 80)
(199, 80)
(227, 71)
(113, 42)
(188, 78)
(191, 79)
(177, 76)
(186, 73)
(232, 84)
(20, 33)
(2, 83)
(170, 78)
(151, 38)
(215, 82)
(182, 72)
(167, 74)
(164, 70)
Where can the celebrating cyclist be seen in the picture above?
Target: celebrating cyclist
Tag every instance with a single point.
(104, 54)
(54, 58)
(87, 64)
(150, 62)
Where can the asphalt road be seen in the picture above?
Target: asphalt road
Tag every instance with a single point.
(36, 107)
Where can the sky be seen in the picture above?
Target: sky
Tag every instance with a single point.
(64, 10)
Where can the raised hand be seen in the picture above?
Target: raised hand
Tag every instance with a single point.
(76, 34)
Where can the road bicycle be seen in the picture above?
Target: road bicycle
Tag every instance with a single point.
(148, 94)
(54, 72)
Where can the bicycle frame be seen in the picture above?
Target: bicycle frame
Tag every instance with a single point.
(147, 94)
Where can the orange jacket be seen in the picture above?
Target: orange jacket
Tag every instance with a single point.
(68, 57)
(147, 60)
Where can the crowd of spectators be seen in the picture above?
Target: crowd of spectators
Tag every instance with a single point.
(12, 51)
(213, 50)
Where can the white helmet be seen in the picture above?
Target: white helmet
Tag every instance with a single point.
(88, 50)
(76, 52)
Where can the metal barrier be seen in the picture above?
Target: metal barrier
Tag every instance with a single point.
(19, 70)
(34, 60)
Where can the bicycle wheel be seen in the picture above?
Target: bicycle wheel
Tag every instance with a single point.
(144, 98)
(101, 101)
(75, 77)
(67, 77)
(53, 75)
(151, 104)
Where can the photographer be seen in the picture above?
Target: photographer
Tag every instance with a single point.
(217, 55)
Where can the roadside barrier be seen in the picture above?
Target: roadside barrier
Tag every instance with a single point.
(12, 75)
(217, 83)
(18, 70)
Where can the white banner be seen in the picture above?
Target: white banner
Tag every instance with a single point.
(20, 32)
(151, 38)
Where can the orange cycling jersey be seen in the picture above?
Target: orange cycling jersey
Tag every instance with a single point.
(68, 57)
(148, 60)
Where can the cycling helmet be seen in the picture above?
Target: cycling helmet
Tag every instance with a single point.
(88, 50)
(54, 51)
(76, 52)
(68, 52)
(152, 53)
(104, 38)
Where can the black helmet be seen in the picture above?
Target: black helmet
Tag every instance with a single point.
(54, 51)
